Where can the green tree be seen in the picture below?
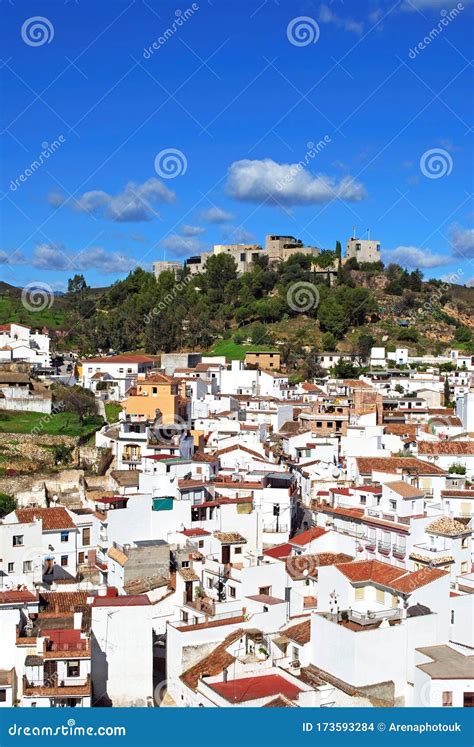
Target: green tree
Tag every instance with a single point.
(332, 317)
(329, 342)
(76, 284)
(7, 504)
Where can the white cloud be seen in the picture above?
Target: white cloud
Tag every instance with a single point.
(287, 184)
(462, 240)
(182, 245)
(16, 257)
(216, 215)
(134, 203)
(326, 15)
(187, 230)
(413, 256)
(56, 257)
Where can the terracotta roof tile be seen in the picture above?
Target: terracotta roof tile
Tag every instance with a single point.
(52, 519)
(300, 633)
(213, 664)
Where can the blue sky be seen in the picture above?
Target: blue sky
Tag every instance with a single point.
(240, 92)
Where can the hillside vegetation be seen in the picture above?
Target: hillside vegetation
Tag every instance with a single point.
(303, 305)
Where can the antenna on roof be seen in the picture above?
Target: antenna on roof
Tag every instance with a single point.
(368, 234)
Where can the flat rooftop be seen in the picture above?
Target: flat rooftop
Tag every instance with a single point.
(447, 664)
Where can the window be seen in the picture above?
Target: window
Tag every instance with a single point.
(184, 616)
(86, 536)
(81, 558)
(464, 567)
(360, 593)
(447, 698)
(17, 540)
(129, 370)
(27, 566)
(64, 536)
(329, 424)
(185, 564)
(452, 617)
(72, 668)
(3, 696)
(201, 544)
(393, 505)
(464, 542)
(238, 551)
(380, 596)
(64, 561)
(265, 590)
(11, 567)
(232, 592)
(209, 583)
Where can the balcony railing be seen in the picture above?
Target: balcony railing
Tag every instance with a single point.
(369, 617)
(54, 686)
(384, 548)
(398, 551)
(273, 529)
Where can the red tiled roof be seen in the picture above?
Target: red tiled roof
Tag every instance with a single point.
(56, 518)
(448, 448)
(398, 579)
(367, 465)
(213, 664)
(417, 579)
(195, 532)
(280, 551)
(253, 688)
(370, 570)
(300, 633)
(17, 597)
(308, 536)
(140, 600)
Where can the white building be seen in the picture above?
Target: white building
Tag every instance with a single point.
(19, 343)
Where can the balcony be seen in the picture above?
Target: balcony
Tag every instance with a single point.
(273, 529)
(131, 459)
(63, 650)
(384, 548)
(201, 604)
(371, 545)
(425, 553)
(53, 688)
(399, 551)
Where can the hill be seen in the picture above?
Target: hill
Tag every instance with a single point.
(302, 305)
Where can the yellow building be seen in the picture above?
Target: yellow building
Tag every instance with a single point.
(158, 394)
